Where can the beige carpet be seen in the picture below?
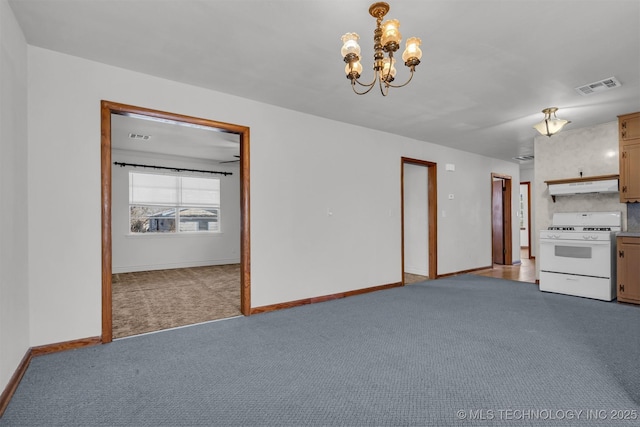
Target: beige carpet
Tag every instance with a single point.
(154, 300)
(413, 278)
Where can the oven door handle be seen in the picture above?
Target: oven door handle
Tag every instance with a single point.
(574, 242)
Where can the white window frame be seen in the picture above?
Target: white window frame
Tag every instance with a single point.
(177, 205)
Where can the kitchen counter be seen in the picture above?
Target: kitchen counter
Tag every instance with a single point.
(628, 234)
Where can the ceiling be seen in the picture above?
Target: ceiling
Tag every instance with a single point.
(488, 67)
(147, 135)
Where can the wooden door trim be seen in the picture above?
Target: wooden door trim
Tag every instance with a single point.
(508, 232)
(108, 108)
(432, 213)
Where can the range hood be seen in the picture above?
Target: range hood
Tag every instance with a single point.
(583, 185)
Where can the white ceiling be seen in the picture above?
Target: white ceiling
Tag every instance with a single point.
(173, 139)
(488, 68)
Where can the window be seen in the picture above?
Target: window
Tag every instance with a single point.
(173, 203)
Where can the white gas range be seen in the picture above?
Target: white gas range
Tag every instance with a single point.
(577, 254)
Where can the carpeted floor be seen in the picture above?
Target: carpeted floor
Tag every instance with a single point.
(458, 351)
(149, 301)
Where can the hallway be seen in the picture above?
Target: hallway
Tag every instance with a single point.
(524, 272)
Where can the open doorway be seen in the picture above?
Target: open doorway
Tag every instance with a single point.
(501, 235)
(525, 219)
(419, 220)
(110, 110)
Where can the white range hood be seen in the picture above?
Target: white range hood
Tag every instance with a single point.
(583, 185)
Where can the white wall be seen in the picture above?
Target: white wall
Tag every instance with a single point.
(161, 251)
(594, 150)
(464, 222)
(527, 173)
(14, 308)
(298, 250)
(416, 220)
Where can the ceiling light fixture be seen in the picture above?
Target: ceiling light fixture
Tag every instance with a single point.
(550, 125)
(387, 39)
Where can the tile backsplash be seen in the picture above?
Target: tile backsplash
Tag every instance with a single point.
(633, 217)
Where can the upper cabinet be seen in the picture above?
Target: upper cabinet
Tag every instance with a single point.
(629, 134)
(629, 126)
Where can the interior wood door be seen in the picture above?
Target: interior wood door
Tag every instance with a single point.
(497, 221)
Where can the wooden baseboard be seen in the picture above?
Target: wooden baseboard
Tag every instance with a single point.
(32, 352)
(11, 387)
(313, 300)
(457, 273)
(64, 346)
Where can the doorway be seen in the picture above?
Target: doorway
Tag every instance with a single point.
(107, 110)
(419, 240)
(525, 218)
(501, 235)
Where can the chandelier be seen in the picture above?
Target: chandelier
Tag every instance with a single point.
(550, 125)
(387, 39)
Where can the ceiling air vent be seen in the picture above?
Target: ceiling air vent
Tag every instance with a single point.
(140, 137)
(604, 84)
(524, 158)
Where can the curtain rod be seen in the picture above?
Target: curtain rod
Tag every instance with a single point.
(135, 165)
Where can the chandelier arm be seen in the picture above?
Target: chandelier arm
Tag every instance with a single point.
(404, 84)
(366, 84)
(370, 86)
(386, 86)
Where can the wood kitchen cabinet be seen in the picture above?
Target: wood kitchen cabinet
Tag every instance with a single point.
(629, 140)
(628, 286)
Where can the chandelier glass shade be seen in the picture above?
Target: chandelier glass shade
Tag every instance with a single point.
(387, 39)
(551, 124)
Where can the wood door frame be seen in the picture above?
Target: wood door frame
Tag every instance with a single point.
(107, 108)
(432, 213)
(508, 232)
(528, 184)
